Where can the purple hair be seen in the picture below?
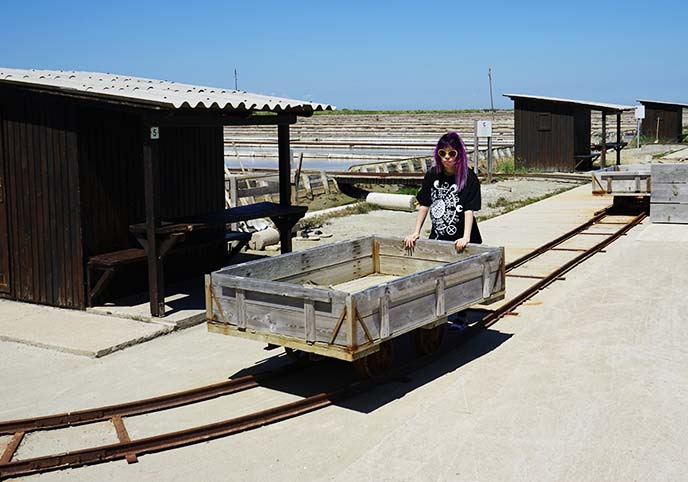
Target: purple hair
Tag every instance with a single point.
(453, 141)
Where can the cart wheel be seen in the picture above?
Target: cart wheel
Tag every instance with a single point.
(428, 341)
(376, 364)
(297, 355)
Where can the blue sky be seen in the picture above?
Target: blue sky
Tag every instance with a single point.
(367, 55)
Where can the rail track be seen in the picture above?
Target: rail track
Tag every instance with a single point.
(131, 449)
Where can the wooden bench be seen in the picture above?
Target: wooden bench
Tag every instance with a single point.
(588, 159)
(110, 263)
(610, 145)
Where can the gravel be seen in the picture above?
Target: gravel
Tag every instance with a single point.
(400, 223)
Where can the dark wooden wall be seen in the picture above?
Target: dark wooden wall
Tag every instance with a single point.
(111, 178)
(72, 184)
(544, 136)
(581, 131)
(191, 170)
(39, 150)
(670, 126)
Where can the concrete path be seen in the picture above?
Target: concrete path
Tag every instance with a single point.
(72, 331)
(587, 383)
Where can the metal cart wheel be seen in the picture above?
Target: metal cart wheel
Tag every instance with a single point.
(376, 364)
(297, 355)
(428, 341)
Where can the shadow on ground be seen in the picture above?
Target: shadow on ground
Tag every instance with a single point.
(329, 374)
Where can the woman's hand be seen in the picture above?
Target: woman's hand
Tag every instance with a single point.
(410, 240)
(461, 243)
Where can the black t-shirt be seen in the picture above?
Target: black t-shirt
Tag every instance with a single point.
(447, 206)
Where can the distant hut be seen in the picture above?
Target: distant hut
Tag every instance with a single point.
(663, 120)
(85, 156)
(552, 134)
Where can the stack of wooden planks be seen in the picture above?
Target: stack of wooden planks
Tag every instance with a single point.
(669, 200)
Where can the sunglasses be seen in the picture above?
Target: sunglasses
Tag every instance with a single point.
(447, 152)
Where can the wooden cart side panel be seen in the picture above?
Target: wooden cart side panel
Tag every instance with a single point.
(414, 301)
(422, 283)
(276, 288)
(296, 317)
(293, 264)
(432, 250)
(622, 180)
(597, 187)
(399, 266)
(335, 273)
(669, 173)
(670, 193)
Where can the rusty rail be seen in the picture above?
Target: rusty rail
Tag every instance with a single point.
(130, 449)
(491, 318)
(132, 408)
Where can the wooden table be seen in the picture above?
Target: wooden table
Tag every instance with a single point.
(168, 233)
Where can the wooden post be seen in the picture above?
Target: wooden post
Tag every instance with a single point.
(151, 183)
(489, 159)
(326, 183)
(618, 138)
(233, 197)
(475, 147)
(603, 154)
(284, 178)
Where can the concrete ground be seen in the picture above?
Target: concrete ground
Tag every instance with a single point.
(587, 382)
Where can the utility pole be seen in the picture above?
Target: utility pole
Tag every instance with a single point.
(489, 76)
(236, 83)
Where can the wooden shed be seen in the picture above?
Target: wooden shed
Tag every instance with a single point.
(85, 157)
(553, 134)
(663, 120)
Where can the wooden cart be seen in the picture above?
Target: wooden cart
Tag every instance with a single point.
(631, 180)
(345, 300)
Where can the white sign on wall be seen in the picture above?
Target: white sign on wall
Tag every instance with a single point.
(484, 128)
(640, 112)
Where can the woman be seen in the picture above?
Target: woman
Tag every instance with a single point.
(451, 193)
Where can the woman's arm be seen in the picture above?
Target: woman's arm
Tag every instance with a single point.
(410, 240)
(468, 225)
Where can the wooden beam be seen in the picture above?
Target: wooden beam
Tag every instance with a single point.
(202, 119)
(151, 183)
(603, 154)
(284, 179)
(618, 138)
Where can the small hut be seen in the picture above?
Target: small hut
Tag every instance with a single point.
(552, 134)
(101, 170)
(663, 120)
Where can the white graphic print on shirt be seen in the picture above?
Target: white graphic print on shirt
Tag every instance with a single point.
(445, 207)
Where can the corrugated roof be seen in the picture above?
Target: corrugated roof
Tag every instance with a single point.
(591, 105)
(163, 93)
(673, 104)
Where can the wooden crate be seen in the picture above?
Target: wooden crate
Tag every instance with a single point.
(343, 299)
(669, 200)
(631, 180)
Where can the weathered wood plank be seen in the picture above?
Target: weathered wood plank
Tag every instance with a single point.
(334, 274)
(669, 173)
(289, 290)
(669, 213)
(364, 282)
(311, 315)
(670, 193)
(296, 263)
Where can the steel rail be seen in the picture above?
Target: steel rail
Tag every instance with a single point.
(564, 237)
(133, 448)
(491, 318)
(139, 407)
(107, 453)
(130, 449)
